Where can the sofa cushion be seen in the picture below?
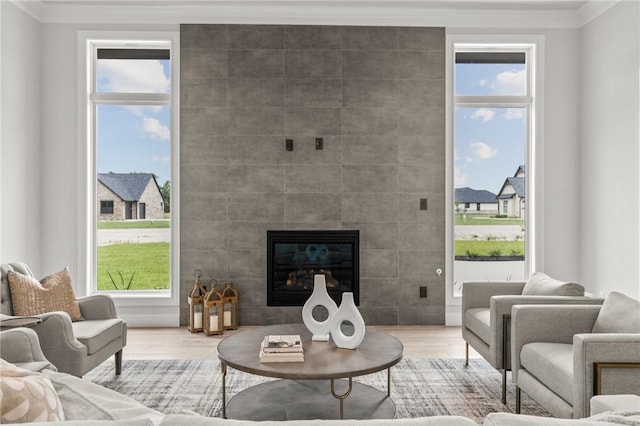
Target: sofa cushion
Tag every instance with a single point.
(196, 420)
(477, 320)
(27, 396)
(543, 285)
(96, 334)
(618, 314)
(84, 400)
(551, 364)
(52, 293)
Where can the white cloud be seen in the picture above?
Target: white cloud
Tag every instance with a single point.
(161, 160)
(156, 129)
(483, 151)
(459, 178)
(510, 83)
(142, 110)
(483, 83)
(132, 76)
(513, 113)
(485, 114)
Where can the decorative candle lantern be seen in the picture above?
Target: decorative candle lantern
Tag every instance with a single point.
(196, 299)
(230, 299)
(213, 311)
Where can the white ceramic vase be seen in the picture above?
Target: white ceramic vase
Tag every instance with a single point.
(347, 312)
(319, 297)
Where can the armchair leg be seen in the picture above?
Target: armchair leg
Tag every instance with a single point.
(466, 354)
(118, 357)
(518, 400)
(504, 385)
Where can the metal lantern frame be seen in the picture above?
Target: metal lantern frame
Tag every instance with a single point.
(230, 299)
(213, 305)
(196, 303)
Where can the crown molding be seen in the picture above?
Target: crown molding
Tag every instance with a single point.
(592, 9)
(450, 13)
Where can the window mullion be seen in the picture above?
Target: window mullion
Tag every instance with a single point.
(132, 98)
(493, 101)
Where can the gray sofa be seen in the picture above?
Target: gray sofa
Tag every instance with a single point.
(85, 403)
(558, 351)
(74, 347)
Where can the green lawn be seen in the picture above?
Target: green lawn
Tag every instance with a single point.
(147, 262)
(133, 224)
(489, 248)
(481, 219)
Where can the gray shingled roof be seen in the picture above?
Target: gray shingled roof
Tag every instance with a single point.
(518, 186)
(127, 186)
(470, 195)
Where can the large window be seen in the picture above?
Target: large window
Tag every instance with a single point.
(130, 132)
(492, 141)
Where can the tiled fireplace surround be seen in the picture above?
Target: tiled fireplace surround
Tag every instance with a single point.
(376, 95)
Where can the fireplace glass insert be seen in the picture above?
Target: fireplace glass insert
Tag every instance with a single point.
(295, 257)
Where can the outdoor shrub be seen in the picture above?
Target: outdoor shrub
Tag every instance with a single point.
(495, 253)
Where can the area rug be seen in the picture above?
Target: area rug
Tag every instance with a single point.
(419, 387)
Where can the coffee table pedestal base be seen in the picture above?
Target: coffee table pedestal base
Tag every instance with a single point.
(309, 399)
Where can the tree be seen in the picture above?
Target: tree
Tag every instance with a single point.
(165, 190)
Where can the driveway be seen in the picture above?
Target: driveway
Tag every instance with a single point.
(147, 235)
(482, 232)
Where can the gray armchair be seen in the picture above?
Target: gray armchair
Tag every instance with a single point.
(563, 355)
(21, 346)
(486, 313)
(74, 347)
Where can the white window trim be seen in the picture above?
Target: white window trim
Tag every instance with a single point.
(87, 169)
(534, 239)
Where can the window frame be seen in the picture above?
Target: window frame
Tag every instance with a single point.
(88, 100)
(106, 204)
(532, 101)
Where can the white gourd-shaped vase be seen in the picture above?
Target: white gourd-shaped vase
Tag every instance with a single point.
(347, 312)
(319, 297)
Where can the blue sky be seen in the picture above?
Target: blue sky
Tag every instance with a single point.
(134, 138)
(489, 143)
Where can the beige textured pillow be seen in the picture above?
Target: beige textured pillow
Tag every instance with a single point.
(27, 396)
(619, 314)
(543, 285)
(52, 293)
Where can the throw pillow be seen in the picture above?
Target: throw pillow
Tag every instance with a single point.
(52, 293)
(619, 314)
(543, 285)
(27, 396)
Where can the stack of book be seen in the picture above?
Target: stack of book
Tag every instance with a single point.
(281, 348)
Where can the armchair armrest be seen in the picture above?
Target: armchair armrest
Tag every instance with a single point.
(56, 337)
(547, 323)
(20, 345)
(500, 319)
(615, 351)
(477, 294)
(97, 306)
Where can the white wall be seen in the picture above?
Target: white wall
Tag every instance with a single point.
(609, 151)
(20, 188)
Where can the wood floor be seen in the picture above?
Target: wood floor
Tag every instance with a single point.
(420, 341)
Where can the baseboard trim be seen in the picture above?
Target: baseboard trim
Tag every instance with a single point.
(453, 315)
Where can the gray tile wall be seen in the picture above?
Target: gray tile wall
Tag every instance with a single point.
(377, 97)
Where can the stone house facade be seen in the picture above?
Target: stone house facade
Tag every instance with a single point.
(128, 196)
(511, 198)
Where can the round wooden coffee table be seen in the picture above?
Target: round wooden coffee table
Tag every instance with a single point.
(309, 389)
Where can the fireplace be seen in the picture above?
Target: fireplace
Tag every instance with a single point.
(294, 257)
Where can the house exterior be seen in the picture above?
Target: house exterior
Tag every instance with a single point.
(511, 198)
(470, 201)
(125, 196)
